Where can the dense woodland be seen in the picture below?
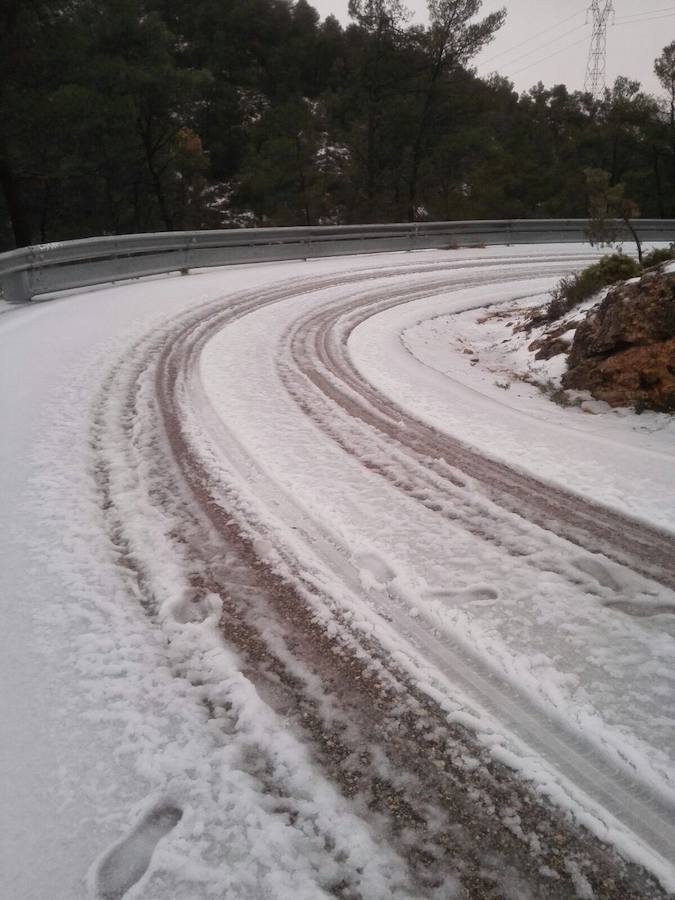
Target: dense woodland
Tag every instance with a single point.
(121, 116)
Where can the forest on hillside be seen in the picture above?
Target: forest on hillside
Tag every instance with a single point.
(121, 116)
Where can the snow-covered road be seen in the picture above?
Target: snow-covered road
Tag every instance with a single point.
(292, 610)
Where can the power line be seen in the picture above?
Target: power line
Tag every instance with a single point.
(645, 19)
(632, 20)
(646, 12)
(637, 18)
(548, 56)
(540, 47)
(623, 20)
(533, 36)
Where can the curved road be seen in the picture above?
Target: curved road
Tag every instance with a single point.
(409, 722)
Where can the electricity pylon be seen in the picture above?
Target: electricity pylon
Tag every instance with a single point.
(597, 55)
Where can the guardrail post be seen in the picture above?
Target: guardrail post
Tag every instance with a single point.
(187, 255)
(412, 237)
(16, 287)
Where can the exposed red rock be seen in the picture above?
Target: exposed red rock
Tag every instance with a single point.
(624, 351)
(551, 344)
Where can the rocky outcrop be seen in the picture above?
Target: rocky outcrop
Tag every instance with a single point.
(552, 343)
(624, 351)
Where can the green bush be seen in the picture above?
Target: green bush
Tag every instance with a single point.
(577, 288)
(654, 257)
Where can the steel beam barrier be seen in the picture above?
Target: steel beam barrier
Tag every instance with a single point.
(47, 268)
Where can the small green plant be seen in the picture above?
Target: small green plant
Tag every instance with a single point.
(576, 288)
(655, 257)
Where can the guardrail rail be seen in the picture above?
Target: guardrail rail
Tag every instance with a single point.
(46, 268)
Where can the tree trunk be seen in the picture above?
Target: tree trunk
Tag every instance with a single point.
(17, 215)
(371, 76)
(415, 163)
(302, 182)
(371, 166)
(161, 199)
(136, 207)
(614, 175)
(151, 150)
(412, 186)
(422, 128)
(44, 212)
(638, 242)
(657, 181)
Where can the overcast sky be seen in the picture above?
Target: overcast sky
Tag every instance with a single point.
(558, 54)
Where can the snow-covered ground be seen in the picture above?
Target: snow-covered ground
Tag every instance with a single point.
(483, 351)
(137, 756)
(102, 729)
(460, 368)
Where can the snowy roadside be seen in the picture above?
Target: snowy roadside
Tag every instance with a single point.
(111, 761)
(488, 350)
(142, 731)
(416, 353)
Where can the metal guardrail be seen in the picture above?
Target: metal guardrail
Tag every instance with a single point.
(46, 268)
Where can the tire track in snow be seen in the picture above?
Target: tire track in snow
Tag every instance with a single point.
(291, 657)
(215, 562)
(318, 351)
